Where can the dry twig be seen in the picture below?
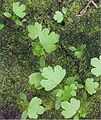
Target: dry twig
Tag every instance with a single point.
(83, 11)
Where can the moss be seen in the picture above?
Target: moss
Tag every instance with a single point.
(18, 62)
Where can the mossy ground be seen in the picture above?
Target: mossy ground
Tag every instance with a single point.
(17, 61)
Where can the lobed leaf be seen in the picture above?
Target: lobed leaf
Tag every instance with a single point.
(34, 30)
(48, 41)
(91, 86)
(53, 77)
(19, 9)
(35, 79)
(96, 63)
(35, 108)
(70, 108)
(58, 16)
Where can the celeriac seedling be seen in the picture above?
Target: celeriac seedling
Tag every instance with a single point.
(19, 11)
(78, 52)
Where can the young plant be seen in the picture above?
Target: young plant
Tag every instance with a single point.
(19, 12)
(47, 40)
(58, 16)
(78, 52)
(63, 96)
(48, 78)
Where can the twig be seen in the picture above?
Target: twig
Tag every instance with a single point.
(83, 11)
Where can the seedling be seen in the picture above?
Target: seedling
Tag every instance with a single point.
(64, 10)
(49, 78)
(59, 16)
(47, 40)
(78, 52)
(19, 12)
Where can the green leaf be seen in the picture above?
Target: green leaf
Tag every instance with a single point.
(19, 9)
(53, 77)
(72, 48)
(35, 108)
(80, 86)
(64, 10)
(58, 103)
(59, 93)
(91, 86)
(70, 108)
(58, 16)
(42, 62)
(1, 26)
(24, 115)
(68, 92)
(34, 30)
(76, 117)
(96, 63)
(83, 109)
(70, 19)
(7, 14)
(35, 79)
(71, 80)
(37, 49)
(48, 41)
(82, 47)
(23, 96)
(78, 54)
(18, 22)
